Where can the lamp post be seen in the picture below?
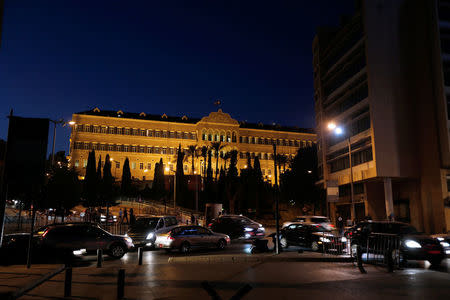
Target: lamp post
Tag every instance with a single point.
(55, 122)
(174, 186)
(337, 130)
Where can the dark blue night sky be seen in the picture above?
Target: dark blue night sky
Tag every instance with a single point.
(173, 57)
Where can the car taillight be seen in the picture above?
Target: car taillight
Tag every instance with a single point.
(332, 226)
(210, 224)
(169, 237)
(45, 233)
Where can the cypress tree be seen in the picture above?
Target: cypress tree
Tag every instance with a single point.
(209, 172)
(108, 181)
(257, 169)
(180, 176)
(99, 170)
(90, 180)
(126, 178)
(155, 179)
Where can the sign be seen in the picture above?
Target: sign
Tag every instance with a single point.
(332, 191)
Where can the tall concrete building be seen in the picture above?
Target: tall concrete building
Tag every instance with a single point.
(383, 78)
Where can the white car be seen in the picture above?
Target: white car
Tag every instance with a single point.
(324, 221)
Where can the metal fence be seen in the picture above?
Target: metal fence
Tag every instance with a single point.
(383, 248)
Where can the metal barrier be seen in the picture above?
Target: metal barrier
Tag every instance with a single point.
(383, 248)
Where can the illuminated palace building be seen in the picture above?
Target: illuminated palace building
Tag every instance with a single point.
(145, 138)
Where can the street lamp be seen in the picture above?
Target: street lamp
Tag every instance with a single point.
(338, 130)
(174, 186)
(55, 122)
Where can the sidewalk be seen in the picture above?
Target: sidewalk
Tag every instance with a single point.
(15, 278)
(268, 280)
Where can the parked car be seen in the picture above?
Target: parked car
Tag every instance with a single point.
(413, 244)
(444, 240)
(143, 232)
(185, 238)
(324, 221)
(314, 236)
(88, 236)
(237, 227)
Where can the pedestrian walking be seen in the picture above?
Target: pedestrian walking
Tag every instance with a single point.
(132, 217)
(192, 219)
(125, 215)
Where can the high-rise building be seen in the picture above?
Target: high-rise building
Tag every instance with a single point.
(382, 79)
(146, 138)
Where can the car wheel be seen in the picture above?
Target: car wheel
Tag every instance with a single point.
(283, 242)
(221, 244)
(315, 246)
(185, 248)
(435, 261)
(116, 251)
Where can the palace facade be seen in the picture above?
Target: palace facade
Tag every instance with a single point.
(145, 138)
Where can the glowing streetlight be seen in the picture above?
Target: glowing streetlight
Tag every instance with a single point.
(146, 170)
(111, 159)
(71, 123)
(167, 169)
(331, 126)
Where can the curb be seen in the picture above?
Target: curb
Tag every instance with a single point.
(252, 259)
(23, 290)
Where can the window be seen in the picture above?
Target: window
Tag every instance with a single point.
(111, 130)
(119, 130)
(156, 150)
(269, 172)
(185, 135)
(149, 150)
(141, 166)
(133, 165)
(84, 163)
(126, 148)
(135, 132)
(179, 135)
(172, 135)
(233, 139)
(157, 133)
(141, 149)
(117, 164)
(185, 168)
(104, 129)
(86, 146)
(150, 133)
(110, 147)
(133, 148)
(164, 151)
(77, 163)
(171, 151)
(149, 166)
(164, 135)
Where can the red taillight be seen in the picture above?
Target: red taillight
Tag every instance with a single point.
(169, 237)
(332, 226)
(45, 233)
(210, 224)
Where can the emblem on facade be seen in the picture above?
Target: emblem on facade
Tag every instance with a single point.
(219, 117)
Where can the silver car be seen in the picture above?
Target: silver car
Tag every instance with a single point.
(186, 238)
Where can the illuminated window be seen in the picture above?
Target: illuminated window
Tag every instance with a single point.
(84, 163)
(149, 150)
(157, 133)
(119, 130)
(127, 131)
(77, 163)
(117, 164)
(141, 166)
(104, 129)
(149, 166)
(133, 165)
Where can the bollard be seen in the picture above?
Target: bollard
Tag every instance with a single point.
(68, 283)
(140, 254)
(359, 260)
(120, 284)
(99, 258)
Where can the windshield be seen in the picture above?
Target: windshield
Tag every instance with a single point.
(147, 223)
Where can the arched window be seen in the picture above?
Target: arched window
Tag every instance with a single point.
(233, 138)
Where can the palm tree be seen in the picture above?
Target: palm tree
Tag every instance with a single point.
(204, 154)
(217, 146)
(281, 161)
(192, 151)
(226, 156)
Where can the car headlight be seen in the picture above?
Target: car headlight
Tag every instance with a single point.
(344, 239)
(325, 240)
(262, 229)
(150, 236)
(248, 229)
(128, 239)
(445, 244)
(412, 244)
(440, 239)
(126, 235)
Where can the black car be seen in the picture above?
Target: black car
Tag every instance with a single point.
(143, 232)
(237, 227)
(88, 236)
(314, 236)
(413, 244)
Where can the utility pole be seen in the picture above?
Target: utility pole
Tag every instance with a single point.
(277, 250)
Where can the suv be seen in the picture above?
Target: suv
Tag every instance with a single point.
(236, 226)
(324, 221)
(76, 236)
(413, 245)
(143, 232)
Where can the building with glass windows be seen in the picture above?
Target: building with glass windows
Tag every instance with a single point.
(145, 138)
(381, 83)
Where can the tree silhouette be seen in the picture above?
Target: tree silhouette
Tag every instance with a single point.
(204, 154)
(90, 181)
(193, 152)
(126, 178)
(217, 146)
